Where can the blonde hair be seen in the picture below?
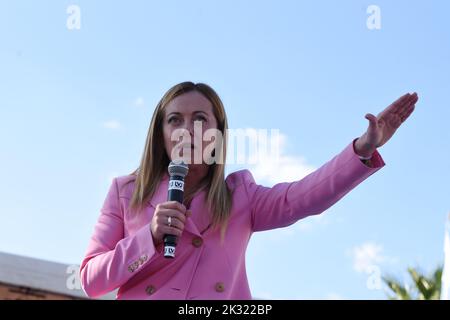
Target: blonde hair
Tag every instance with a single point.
(154, 160)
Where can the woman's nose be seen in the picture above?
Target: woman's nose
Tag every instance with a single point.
(189, 126)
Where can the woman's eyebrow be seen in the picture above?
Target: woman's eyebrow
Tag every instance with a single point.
(200, 112)
(178, 113)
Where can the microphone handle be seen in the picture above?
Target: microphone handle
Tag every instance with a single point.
(175, 193)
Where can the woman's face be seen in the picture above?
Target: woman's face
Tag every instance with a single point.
(185, 120)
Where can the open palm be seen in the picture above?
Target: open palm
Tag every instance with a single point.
(383, 126)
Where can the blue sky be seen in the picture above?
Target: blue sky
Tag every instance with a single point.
(75, 107)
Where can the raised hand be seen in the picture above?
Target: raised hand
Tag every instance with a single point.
(383, 126)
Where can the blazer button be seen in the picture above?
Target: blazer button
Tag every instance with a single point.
(197, 242)
(150, 290)
(220, 287)
(142, 259)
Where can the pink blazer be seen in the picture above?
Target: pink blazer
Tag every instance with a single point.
(121, 253)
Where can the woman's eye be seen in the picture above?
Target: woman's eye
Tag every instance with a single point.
(173, 120)
(200, 118)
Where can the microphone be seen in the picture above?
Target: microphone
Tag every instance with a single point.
(177, 172)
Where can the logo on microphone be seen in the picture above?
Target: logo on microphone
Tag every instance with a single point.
(169, 251)
(176, 185)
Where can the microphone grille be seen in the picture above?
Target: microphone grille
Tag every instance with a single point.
(178, 168)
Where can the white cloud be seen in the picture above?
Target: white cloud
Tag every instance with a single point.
(111, 124)
(367, 255)
(271, 169)
(368, 258)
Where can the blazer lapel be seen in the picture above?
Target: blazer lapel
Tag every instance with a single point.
(201, 216)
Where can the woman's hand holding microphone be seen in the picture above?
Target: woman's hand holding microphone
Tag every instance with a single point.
(169, 218)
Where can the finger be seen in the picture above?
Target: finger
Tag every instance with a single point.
(172, 213)
(406, 110)
(373, 121)
(405, 116)
(411, 101)
(410, 104)
(188, 213)
(399, 104)
(171, 231)
(174, 205)
(174, 222)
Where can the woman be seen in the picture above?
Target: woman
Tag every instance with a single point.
(218, 216)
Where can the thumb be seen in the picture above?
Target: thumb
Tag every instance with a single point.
(372, 120)
(188, 213)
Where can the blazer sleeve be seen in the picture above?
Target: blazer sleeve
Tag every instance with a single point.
(110, 259)
(285, 203)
